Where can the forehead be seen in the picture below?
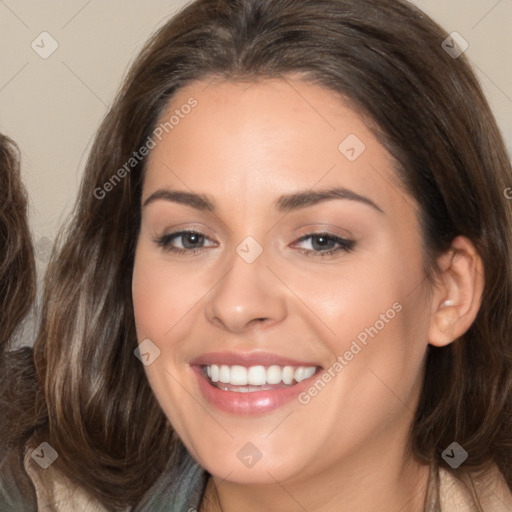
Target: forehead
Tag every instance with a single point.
(281, 134)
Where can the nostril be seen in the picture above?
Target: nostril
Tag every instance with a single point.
(259, 320)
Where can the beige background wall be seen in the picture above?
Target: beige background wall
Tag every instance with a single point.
(52, 106)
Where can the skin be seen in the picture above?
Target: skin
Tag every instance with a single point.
(245, 145)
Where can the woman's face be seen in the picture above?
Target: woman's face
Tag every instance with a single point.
(305, 253)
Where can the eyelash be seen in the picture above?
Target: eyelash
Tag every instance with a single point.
(344, 244)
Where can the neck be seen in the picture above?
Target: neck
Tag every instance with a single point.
(357, 485)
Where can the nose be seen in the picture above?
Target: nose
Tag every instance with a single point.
(248, 295)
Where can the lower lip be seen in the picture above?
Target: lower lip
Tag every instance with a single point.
(250, 403)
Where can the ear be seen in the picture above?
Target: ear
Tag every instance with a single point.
(457, 298)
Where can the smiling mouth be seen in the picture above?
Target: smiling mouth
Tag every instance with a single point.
(250, 379)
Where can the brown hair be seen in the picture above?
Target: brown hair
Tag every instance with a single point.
(427, 108)
(17, 293)
(17, 265)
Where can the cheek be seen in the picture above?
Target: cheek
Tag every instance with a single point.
(373, 314)
(349, 297)
(155, 297)
(160, 294)
(153, 293)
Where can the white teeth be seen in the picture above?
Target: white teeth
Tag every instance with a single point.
(237, 375)
(256, 375)
(274, 375)
(288, 374)
(224, 374)
(299, 374)
(309, 372)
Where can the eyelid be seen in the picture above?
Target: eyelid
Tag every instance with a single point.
(183, 227)
(322, 228)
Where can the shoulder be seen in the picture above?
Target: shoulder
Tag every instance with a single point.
(16, 490)
(54, 491)
(25, 485)
(491, 488)
(182, 485)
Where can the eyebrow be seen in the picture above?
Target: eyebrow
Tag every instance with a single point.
(285, 203)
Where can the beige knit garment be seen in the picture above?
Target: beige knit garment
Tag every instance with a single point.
(493, 492)
(55, 493)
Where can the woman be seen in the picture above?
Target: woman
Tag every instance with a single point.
(286, 284)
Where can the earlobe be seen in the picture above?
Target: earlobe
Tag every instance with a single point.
(457, 297)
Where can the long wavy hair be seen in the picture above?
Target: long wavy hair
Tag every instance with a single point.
(384, 57)
(17, 294)
(17, 264)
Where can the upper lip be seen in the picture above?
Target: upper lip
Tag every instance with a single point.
(248, 359)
